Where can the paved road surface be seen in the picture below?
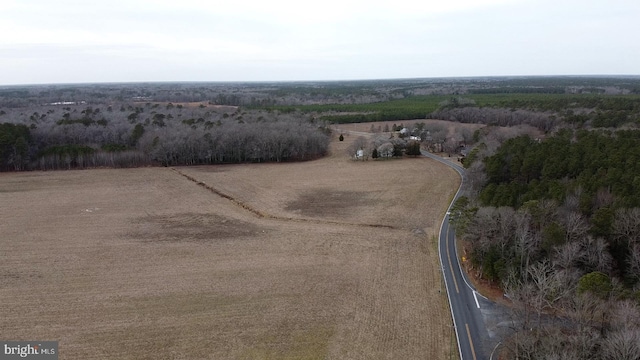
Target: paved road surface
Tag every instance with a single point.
(469, 309)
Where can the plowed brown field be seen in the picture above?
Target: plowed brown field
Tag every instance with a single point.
(331, 258)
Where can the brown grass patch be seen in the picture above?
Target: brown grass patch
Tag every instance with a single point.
(146, 264)
(192, 227)
(328, 202)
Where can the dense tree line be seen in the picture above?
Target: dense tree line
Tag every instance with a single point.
(556, 223)
(544, 112)
(497, 117)
(412, 107)
(521, 90)
(574, 185)
(125, 135)
(526, 169)
(560, 103)
(14, 147)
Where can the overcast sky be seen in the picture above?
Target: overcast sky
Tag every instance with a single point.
(69, 41)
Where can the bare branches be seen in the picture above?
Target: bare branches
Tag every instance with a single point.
(622, 345)
(568, 255)
(597, 256)
(575, 225)
(626, 225)
(634, 261)
(500, 117)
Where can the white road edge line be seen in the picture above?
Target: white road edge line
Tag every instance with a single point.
(446, 284)
(460, 170)
(476, 297)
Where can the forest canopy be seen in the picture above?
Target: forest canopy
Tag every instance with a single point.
(82, 136)
(525, 169)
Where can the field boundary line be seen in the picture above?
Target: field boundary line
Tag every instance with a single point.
(223, 195)
(263, 215)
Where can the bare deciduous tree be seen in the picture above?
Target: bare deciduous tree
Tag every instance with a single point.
(634, 261)
(625, 315)
(597, 256)
(568, 255)
(626, 225)
(359, 148)
(622, 345)
(575, 225)
(526, 240)
(476, 178)
(385, 150)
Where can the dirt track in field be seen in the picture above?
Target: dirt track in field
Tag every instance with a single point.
(324, 259)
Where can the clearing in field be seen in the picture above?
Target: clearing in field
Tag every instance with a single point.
(325, 259)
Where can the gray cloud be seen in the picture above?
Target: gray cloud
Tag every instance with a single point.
(250, 40)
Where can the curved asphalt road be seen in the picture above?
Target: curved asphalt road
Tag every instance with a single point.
(464, 301)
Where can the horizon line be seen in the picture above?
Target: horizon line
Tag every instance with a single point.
(462, 77)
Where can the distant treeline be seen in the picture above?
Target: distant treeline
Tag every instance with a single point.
(521, 90)
(67, 126)
(80, 136)
(497, 117)
(415, 107)
(559, 103)
(261, 94)
(543, 109)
